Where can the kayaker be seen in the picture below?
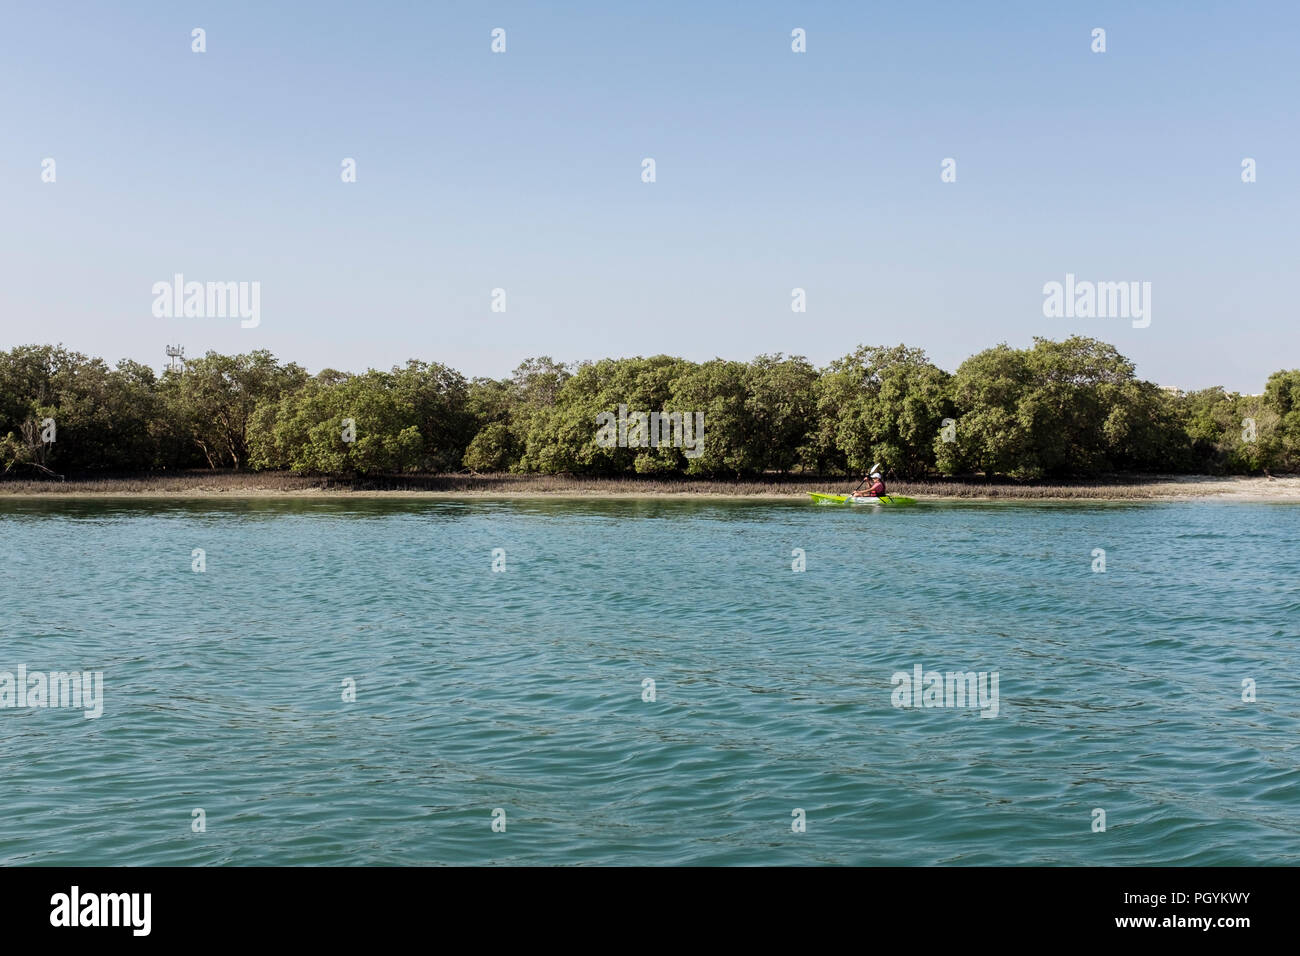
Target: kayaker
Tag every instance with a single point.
(877, 487)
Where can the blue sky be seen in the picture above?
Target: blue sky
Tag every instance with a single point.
(775, 170)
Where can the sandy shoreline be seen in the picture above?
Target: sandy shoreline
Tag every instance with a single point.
(246, 486)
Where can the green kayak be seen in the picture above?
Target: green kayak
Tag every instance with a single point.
(822, 499)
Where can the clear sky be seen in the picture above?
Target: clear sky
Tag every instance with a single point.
(775, 170)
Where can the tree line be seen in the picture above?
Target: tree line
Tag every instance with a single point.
(1073, 408)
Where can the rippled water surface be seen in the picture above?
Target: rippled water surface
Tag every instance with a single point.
(522, 690)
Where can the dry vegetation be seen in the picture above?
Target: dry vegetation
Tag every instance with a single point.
(201, 484)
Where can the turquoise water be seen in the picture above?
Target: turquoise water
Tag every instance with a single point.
(522, 690)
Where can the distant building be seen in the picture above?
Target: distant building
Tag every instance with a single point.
(1172, 390)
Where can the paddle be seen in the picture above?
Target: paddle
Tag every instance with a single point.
(874, 468)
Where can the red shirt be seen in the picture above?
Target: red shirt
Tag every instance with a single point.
(878, 488)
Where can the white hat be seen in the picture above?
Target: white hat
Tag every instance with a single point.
(875, 474)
